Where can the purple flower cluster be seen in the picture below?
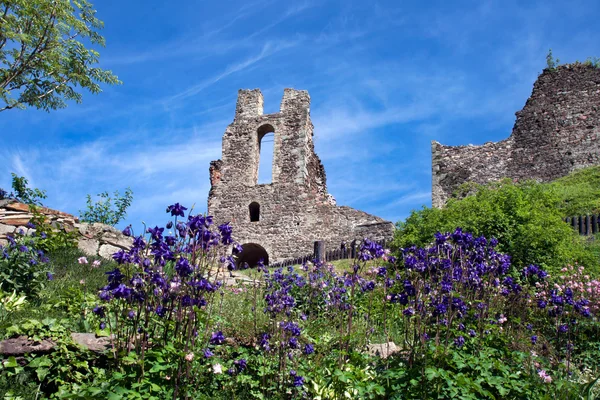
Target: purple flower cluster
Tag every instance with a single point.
(166, 276)
(442, 284)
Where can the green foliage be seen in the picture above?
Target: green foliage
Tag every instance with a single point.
(593, 62)
(103, 210)
(9, 303)
(23, 193)
(551, 62)
(526, 218)
(579, 192)
(43, 54)
(51, 238)
(23, 267)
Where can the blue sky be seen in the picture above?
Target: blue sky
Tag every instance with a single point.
(385, 78)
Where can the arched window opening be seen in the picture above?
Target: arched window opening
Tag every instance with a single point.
(254, 211)
(266, 146)
(251, 254)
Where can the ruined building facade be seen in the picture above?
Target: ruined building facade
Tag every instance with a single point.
(557, 132)
(284, 218)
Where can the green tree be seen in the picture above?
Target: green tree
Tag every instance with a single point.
(24, 194)
(103, 210)
(43, 59)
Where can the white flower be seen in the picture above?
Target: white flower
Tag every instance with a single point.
(189, 357)
(82, 260)
(217, 369)
(96, 263)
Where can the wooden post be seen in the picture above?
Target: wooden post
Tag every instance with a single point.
(319, 254)
(353, 249)
(588, 225)
(594, 224)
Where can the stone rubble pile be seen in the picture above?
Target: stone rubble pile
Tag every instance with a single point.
(93, 239)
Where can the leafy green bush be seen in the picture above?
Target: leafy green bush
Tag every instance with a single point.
(104, 212)
(526, 218)
(579, 192)
(23, 266)
(23, 193)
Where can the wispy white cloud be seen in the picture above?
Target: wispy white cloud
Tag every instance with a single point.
(268, 49)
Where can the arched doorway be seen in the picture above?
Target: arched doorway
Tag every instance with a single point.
(252, 253)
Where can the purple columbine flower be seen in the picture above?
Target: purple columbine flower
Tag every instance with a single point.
(217, 338)
(127, 231)
(308, 349)
(208, 353)
(298, 380)
(102, 325)
(563, 328)
(99, 311)
(534, 339)
(50, 276)
(240, 364)
(459, 341)
(176, 210)
(542, 304)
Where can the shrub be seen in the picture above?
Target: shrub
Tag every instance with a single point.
(23, 193)
(23, 265)
(104, 212)
(51, 238)
(526, 219)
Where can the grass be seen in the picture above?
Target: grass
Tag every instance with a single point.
(70, 294)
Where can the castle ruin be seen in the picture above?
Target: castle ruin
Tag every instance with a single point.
(557, 132)
(284, 218)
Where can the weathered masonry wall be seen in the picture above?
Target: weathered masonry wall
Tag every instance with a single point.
(93, 239)
(294, 210)
(557, 132)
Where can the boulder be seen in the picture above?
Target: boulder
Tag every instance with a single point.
(383, 350)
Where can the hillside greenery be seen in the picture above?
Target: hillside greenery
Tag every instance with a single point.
(526, 218)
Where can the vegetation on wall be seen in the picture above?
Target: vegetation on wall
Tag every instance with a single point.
(552, 63)
(23, 193)
(104, 211)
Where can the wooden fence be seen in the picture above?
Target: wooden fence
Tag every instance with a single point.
(343, 252)
(585, 224)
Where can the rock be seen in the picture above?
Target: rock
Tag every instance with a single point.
(17, 207)
(91, 342)
(15, 221)
(117, 240)
(88, 246)
(107, 250)
(23, 345)
(383, 350)
(4, 229)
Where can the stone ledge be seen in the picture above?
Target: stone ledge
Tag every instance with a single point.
(22, 345)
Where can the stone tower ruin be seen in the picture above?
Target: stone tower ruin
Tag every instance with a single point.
(284, 218)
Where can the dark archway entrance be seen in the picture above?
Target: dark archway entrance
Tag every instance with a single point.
(252, 253)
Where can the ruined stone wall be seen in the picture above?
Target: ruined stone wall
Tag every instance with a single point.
(93, 239)
(557, 132)
(295, 209)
